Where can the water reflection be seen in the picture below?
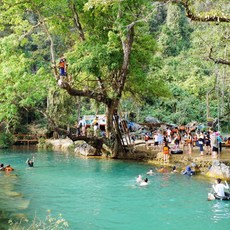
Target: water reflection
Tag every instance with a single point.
(220, 210)
(10, 198)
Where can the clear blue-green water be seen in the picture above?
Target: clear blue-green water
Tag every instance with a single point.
(94, 194)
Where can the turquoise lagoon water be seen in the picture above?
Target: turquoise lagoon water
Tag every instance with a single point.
(95, 194)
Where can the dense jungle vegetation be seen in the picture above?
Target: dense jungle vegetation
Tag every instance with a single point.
(165, 59)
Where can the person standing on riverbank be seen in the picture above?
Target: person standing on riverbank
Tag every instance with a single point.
(147, 140)
(219, 142)
(207, 143)
(214, 144)
(177, 140)
(166, 152)
(156, 140)
(95, 125)
(189, 143)
(81, 127)
(200, 137)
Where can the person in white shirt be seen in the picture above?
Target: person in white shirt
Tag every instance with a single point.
(219, 188)
(150, 172)
(81, 127)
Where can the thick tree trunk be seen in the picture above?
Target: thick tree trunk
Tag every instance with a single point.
(112, 129)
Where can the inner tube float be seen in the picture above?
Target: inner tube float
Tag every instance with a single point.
(226, 197)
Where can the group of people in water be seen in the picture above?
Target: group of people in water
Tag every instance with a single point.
(8, 168)
(143, 182)
(219, 189)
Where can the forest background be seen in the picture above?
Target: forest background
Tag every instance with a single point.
(178, 69)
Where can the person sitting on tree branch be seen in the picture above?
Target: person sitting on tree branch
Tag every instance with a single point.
(63, 66)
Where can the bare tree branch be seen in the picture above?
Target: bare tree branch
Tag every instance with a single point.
(30, 31)
(43, 23)
(219, 60)
(77, 23)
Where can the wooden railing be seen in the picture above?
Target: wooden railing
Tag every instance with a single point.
(27, 138)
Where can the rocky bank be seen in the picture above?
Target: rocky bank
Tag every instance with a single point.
(215, 168)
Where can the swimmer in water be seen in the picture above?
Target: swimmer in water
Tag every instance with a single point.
(30, 162)
(139, 179)
(2, 167)
(144, 182)
(162, 170)
(174, 170)
(150, 172)
(8, 168)
(188, 171)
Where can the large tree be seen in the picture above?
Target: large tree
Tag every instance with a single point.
(106, 43)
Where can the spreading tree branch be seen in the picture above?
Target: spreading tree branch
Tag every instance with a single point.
(30, 31)
(193, 16)
(219, 60)
(100, 97)
(208, 18)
